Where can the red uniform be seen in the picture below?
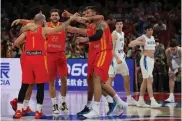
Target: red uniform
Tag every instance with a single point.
(35, 59)
(56, 57)
(100, 55)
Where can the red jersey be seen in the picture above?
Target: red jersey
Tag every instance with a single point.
(105, 43)
(56, 42)
(35, 43)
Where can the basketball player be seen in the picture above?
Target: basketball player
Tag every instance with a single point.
(173, 54)
(36, 60)
(101, 46)
(118, 64)
(147, 65)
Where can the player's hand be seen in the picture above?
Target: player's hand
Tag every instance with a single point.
(82, 39)
(74, 17)
(130, 44)
(65, 14)
(15, 22)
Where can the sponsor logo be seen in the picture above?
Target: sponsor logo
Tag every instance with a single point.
(5, 68)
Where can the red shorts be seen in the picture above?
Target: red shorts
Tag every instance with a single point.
(34, 69)
(100, 64)
(57, 63)
(21, 59)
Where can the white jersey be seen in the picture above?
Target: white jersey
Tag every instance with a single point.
(176, 59)
(119, 45)
(150, 43)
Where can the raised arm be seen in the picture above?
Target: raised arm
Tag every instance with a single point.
(20, 40)
(139, 41)
(63, 26)
(20, 21)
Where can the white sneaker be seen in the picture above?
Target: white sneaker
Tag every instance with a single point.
(55, 109)
(122, 107)
(141, 103)
(132, 102)
(170, 99)
(64, 108)
(92, 114)
(154, 104)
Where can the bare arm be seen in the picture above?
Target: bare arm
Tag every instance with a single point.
(76, 30)
(29, 26)
(20, 21)
(169, 59)
(114, 38)
(139, 41)
(63, 26)
(96, 17)
(20, 40)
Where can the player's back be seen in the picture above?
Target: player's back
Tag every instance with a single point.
(35, 43)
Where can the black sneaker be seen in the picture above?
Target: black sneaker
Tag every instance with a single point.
(55, 109)
(64, 107)
(84, 111)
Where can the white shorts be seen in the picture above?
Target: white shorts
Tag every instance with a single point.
(175, 66)
(118, 69)
(147, 66)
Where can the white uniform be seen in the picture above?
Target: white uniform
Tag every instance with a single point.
(119, 51)
(146, 62)
(176, 60)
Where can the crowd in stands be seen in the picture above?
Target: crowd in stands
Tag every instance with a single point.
(164, 15)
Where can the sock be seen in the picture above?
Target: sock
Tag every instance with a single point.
(63, 98)
(128, 97)
(25, 104)
(19, 106)
(109, 99)
(96, 106)
(141, 98)
(89, 104)
(39, 107)
(117, 99)
(152, 99)
(54, 101)
(171, 95)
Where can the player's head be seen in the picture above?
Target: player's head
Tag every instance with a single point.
(40, 19)
(119, 25)
(91, 11)
(54, 15)
(173, 46)
(149, 30)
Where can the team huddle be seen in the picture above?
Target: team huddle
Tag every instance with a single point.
(43, 45)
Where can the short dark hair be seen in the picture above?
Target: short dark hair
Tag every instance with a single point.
(149, 26)
(173, 43)
(118, 20)
(93, 8)
(54, 10)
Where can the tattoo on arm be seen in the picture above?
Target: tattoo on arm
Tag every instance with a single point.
(101, 25)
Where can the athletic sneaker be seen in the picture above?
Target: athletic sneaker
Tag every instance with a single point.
(14, 103)
(132, 102)
(170, 99)
(64, 107)
(28, 112)
(55, 109)
(84, 111)
(18, 114)
(112, 107)
(141, 103)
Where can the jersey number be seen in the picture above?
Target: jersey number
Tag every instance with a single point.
(54, 38)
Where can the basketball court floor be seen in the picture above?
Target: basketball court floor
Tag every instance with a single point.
(77, 100)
